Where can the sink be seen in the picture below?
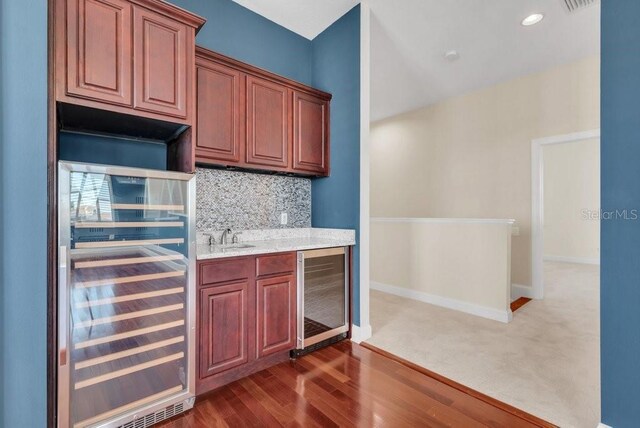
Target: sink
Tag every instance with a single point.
(234, 246)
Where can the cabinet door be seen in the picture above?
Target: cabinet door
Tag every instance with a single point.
(267, 123)
(310, 134)
(276, 314)
(99, 50)
(223, 327)
(219, 130)
(163, 55)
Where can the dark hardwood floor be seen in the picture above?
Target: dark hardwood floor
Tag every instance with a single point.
(518, 303)
(349, 385)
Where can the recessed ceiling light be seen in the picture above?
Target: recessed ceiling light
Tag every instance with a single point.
(452, 56)
(532, 19)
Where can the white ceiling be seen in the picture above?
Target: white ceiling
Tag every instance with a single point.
(409, 39)
(305, 17)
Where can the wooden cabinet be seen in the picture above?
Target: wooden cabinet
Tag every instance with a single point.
(310, 133)
(163, 52)
(224, 310)
(267, 123)
(219, 113)
(252, 119)
(135, 57)
(98, 50)
(276, 314)
(246, 316)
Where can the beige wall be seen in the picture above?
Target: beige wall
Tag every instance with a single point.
(571, 184)
(463, 265)
(470, 156)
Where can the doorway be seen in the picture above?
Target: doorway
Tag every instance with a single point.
(576, 217)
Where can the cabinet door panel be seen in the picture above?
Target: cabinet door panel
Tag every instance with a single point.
(267, 123)
(276, 314)
(223, 327)
(162, 63)
(310, 134)
(219, 113)
(99, 50)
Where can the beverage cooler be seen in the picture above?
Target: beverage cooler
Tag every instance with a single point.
(323, 297)
(126, 296)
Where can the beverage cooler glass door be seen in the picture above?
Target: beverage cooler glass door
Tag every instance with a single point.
(323, 295)
(125, 295)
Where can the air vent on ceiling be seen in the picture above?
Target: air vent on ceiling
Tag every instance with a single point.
(576, 5)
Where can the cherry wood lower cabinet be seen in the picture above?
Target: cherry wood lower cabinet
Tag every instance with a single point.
(224, 333)
(246, 316)
(276, 314)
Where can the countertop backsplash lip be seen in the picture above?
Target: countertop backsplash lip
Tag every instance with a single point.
(276, 241)
(254, 235)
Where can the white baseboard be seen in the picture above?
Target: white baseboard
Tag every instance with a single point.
(519, 290)
(445, 302)
(601, 425)
(579, 260)
(360, 333)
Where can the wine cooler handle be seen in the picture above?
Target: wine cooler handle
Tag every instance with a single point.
(63, 335)
(63, 305)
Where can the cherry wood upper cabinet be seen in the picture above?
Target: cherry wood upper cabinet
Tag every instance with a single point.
(99, 50)
(135, 57)
(163, 52)
(276, 316)
(268, 123)
(219, 113)
(310, 133)
(252, 119)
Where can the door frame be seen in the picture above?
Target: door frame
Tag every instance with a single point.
(537, 202)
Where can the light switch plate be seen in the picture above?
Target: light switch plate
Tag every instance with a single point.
(515, 231)
(284, 218)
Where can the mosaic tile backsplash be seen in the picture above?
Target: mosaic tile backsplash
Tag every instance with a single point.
(242, 200)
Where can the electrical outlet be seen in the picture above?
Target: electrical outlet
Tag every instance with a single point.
(284, 218)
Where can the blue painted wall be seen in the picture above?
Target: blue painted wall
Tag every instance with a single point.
(336, 68)
(620, 238)
(329, 62)
(23, 212)
(112, 151)
(244, 35)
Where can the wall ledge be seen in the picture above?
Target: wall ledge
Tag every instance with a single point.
(445, 302)
(579, 260)
(442, 220)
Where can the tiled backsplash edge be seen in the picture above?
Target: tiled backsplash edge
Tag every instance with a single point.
(270, 234)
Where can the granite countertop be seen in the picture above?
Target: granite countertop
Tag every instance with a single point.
(275, 241)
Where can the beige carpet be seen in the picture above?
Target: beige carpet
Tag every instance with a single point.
(546, 361)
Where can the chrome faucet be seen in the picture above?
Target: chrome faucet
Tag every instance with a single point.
(212, 240)
(225, 236)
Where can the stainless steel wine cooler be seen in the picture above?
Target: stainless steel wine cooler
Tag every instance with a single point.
(323, 297)
(126, 309)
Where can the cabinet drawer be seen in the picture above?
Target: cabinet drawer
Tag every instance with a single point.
(224, 270)
(275, 264)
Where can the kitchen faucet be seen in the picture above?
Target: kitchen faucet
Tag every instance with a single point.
(225, 236)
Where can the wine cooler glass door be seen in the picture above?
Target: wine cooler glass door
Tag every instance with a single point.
(323, 309)
(126, 287)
